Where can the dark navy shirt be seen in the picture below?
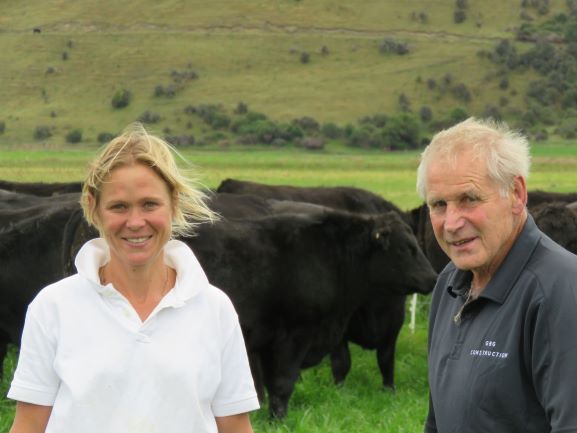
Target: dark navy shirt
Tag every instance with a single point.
(509, 365)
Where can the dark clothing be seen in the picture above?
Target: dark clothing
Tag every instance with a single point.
(509, 365)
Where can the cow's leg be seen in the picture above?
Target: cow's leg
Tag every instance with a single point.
(3, 353)
(257, 374)
(281, 363)
(341, 362)
(386, 361)
(386, 354)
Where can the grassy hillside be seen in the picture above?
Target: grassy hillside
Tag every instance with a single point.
(64, 77)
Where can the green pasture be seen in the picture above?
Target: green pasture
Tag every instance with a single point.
(317, 406)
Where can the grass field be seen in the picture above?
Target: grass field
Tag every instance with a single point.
(317, 406)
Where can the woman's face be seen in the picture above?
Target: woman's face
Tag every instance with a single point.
(135, 215)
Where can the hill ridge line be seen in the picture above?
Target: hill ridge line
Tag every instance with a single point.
(266, 27)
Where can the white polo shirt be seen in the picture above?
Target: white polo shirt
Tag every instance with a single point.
(86, 352)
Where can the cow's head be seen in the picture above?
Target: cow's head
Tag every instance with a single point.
(396, 262)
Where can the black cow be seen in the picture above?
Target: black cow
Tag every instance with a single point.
(573, 207)
(339, 197)
(296, 281)
(31, 257)
(536, 197)
(375, 325)
(40, 188)
(17, 200)
(420, 222)
(559, 222)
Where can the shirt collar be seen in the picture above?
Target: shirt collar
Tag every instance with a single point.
(190, 278)
(502, 282)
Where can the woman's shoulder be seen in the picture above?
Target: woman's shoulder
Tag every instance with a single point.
(63, 291)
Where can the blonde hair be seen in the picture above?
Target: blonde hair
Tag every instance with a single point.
(136, 146)
(505, 152)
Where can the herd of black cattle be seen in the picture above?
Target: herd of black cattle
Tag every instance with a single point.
(308, 269)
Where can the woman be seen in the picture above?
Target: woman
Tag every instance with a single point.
(137, 340)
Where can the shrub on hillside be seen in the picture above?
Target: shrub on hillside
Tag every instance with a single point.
(456, 115)
(567, 129)
(42, 132)
(180, 140)
(74, 136)
(241, 108)
(245, 121)
(166, 91)
(305, 57)
(121, 98)
(312, 143)
(289, 131)
(378, 120)
(307, 123)
(331, 130)
(220, 121)
(569, 98)
(365, 136)
(426, 114)
(402, 132)
(421, 17)
(493, 112)
(392, 46)
(2, 126)
(459, 16)
(404, 103)
(461, 92)
(105, 137)
(149, 117)
(263, 131)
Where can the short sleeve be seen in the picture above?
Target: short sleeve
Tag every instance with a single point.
(35, 380)
(236, 393)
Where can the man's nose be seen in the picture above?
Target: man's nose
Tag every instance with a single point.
(453, 218)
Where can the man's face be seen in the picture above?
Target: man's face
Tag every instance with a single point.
(473, 223)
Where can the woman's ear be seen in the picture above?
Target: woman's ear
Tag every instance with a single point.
(92, 207)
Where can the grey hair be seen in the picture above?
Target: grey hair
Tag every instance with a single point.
(504, 151)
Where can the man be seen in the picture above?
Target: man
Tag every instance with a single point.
(503, 320)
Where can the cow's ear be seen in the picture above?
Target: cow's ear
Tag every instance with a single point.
(382, 236)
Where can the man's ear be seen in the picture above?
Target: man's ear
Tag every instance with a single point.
(519, 195)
